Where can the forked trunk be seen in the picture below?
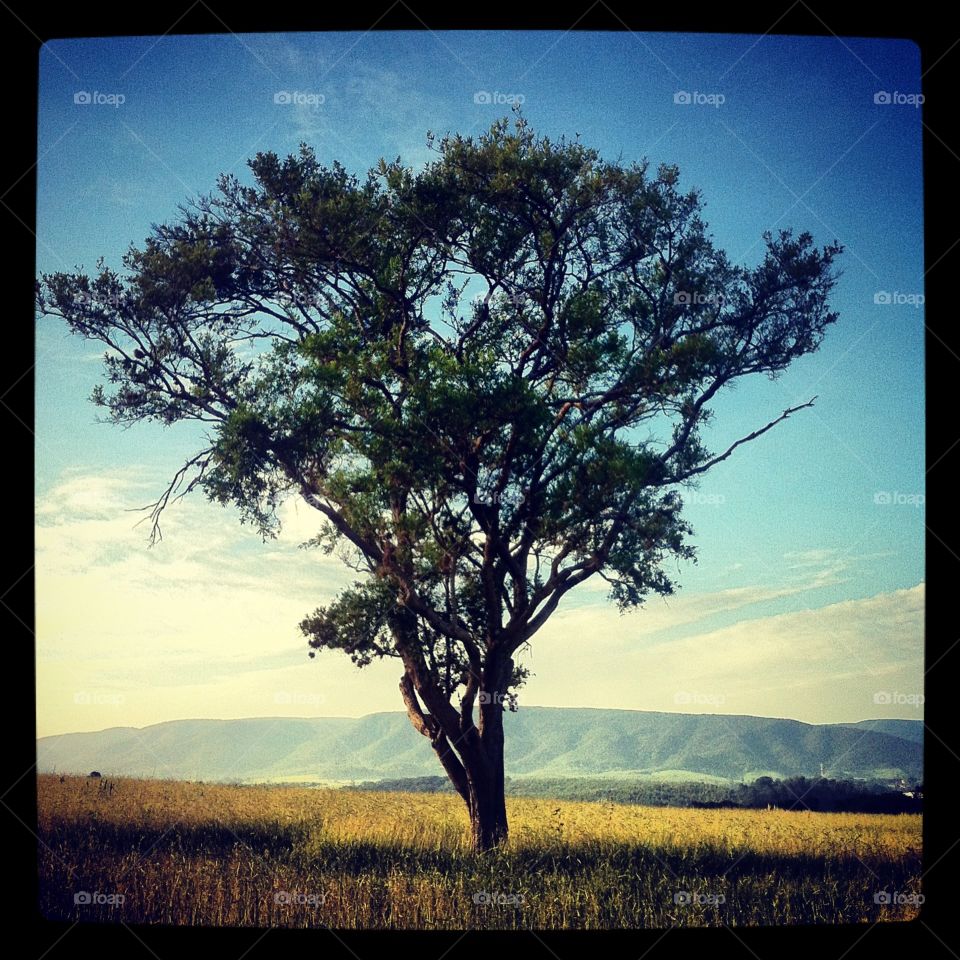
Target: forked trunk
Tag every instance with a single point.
(471, 756)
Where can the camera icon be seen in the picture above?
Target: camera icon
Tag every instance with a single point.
(282, 897)
(81, 696)
(883, 297)
(682, 298)
(83, 97)
(683, 897)
(482, 96)
(283, 96)
(882, 696)
(82, 898)
(882, 897)
(881, 96)
(682, 96)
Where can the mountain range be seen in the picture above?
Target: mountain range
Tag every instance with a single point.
(541, 742)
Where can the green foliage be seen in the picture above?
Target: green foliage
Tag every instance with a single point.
(488, 376)
(357, 623)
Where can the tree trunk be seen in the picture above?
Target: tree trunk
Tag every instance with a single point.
(477, 774)
(487, 802)
(488, 814)
(471, 756)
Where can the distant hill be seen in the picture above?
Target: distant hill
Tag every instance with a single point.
(541, 742)
(908, 729)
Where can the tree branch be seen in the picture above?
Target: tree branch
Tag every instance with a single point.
(750, 436)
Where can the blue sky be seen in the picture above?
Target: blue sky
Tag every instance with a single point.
(812, 535)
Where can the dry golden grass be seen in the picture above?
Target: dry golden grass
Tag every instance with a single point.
(193, 853)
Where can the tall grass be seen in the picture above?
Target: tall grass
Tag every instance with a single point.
(192, 853)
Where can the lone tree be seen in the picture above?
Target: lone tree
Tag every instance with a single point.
(488, 377)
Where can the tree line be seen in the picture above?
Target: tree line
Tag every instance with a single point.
(792, 793)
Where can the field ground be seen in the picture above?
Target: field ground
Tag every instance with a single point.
(153, 851)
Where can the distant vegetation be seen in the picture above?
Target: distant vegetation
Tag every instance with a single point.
(794, 793)
(545, 743)
(152, 851)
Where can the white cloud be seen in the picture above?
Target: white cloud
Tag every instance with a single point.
(819, 665)
(208, 600)
(205, 624)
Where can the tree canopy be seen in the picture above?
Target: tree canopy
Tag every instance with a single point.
(489, 377)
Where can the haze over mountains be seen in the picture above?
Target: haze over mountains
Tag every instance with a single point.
(541, 742)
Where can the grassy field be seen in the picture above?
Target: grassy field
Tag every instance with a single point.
(152, 851)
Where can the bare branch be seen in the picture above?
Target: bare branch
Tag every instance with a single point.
(750, 436)
(173, 492)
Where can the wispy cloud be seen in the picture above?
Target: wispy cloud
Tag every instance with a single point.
(205, 624)
(209, 601)
(820, 664)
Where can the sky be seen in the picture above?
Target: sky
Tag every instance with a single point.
(807, 598)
